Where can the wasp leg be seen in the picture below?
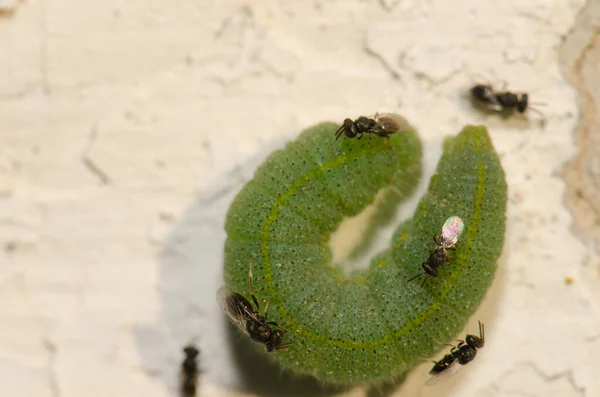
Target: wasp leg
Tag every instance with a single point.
(251, 291)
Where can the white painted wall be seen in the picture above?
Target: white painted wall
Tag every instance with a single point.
(126, 127)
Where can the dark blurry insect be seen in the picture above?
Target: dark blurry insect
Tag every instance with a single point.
(447, 239)
(241, 313)
(382, 125)
(462, 354)
(502, 101)
(189, 372)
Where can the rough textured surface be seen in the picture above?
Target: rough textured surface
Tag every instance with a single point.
(7, 6)
(580, 56)
(127, 127)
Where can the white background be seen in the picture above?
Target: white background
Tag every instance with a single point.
(126, 127)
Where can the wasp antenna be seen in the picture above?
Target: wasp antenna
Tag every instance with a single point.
(193, 341)
(531, 109)
(481, 332)
(483, 78)
(338, 133)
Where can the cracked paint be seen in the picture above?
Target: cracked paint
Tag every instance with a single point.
(526, 379)
(89, 163)
(112, 245)
(247, 50)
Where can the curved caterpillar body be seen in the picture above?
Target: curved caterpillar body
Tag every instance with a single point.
(374, 327)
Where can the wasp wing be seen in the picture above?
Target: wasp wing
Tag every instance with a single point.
(444, 375)
(391, 122)
(236, 307)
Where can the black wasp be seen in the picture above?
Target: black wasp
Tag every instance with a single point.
(445, 240)
(189, 372)
(241, 313)
(382, 125)
(463, 353)
(503, 100)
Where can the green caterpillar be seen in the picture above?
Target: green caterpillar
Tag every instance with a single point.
(374, 326)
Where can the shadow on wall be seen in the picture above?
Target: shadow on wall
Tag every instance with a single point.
(264, 377)
(190, 274)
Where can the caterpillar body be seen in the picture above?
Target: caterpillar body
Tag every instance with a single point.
(372, 327)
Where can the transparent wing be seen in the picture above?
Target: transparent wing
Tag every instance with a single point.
(445, 375)
(230, 304)
(451, 231)
(391, 122)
